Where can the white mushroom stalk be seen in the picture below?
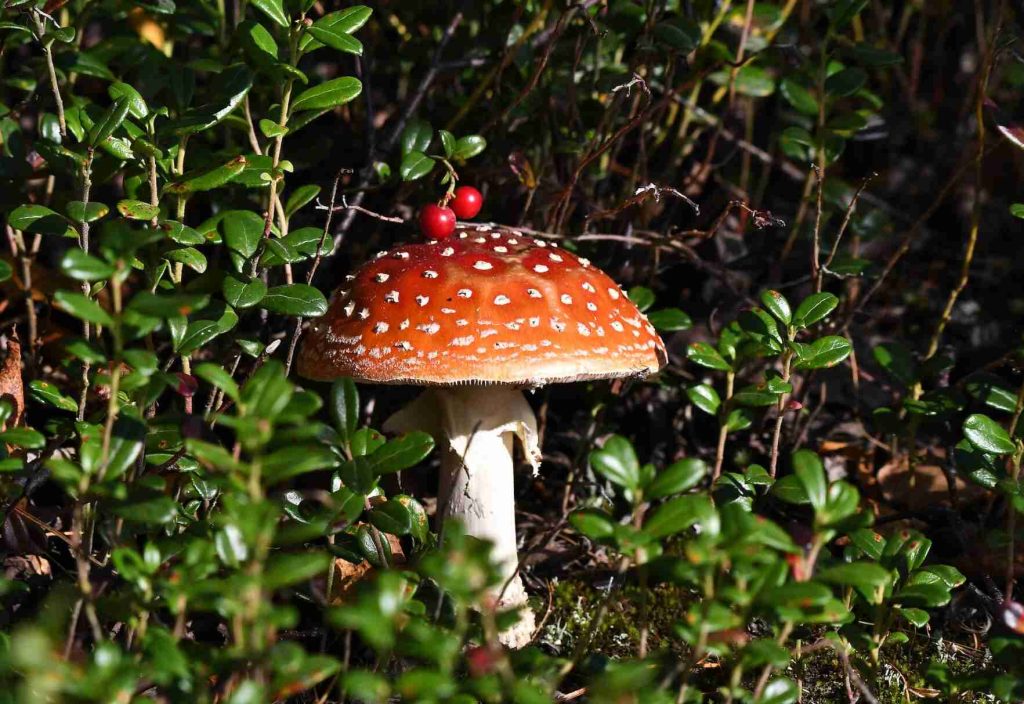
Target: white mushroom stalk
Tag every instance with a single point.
(477, 425)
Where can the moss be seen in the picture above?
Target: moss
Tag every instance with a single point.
(575, 604)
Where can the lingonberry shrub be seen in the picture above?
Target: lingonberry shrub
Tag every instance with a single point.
(817, 499)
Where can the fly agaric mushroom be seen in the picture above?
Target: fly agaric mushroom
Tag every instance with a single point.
(479, 317)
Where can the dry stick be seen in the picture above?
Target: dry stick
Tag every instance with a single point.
(312, 271)
(396, 132)
(824, 268)
(48, 55)
(1011, 519)
(723, 428)
(819, 172)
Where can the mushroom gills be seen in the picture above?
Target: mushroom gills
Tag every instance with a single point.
(477, 425)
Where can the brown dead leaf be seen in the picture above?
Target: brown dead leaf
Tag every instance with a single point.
(11, 385)
(347, 575)
(925, 486)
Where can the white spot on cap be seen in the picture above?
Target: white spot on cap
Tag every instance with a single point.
(364, 313)
(404, 325)
(614, 293)
(462, 322)
(401, 255)
(584, 262)
(555, 257)
(616, 326)
(535, 322)
(403, 345)
(488, 333)
(447, 252)
(513, 240)
(502, 300)
(462, 341)
(481, 240)
(588, 287)
(557, 325)
(429, 274)
(350, 277)
(463, 235)
(512, 326)
(533, 293)
(381, 327)
(423, 300)
(349, 307)
(495, 235)
(545, 343)
(380, 254)
(482, 265)
(529, 348)
(540, 268)
(448, 311)
(501, 250)
(381, 277)
(565, 298)
(600, 331)
(431, 355)
(464, 293)
(504, 345)
(391, 296)
(591, 306)
(429, 328)
(583, 329)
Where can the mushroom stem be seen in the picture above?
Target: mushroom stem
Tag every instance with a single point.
(478, 425)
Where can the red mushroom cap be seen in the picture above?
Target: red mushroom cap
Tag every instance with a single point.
(488, 306)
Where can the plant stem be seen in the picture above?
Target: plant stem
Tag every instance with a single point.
(787, 359)
(48, 56)
(723, 428)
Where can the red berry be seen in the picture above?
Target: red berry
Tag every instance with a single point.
(437, 223)
(467, 202)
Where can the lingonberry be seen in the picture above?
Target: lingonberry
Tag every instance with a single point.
(437, 222)
(467, 202)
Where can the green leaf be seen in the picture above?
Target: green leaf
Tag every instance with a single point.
(136, 103)
(1017, 210)
(843, 12)
(295, 299)
(987, 435)
(593, 524)
(83, 308)
(39, 219)
(707, 356)
(704, 397)
(679, 514)
(677, 478)
(448, 143)
(469, 146)
(110, 121)
(845, 82)
(989, 392)
(825, 352)
(79, 212)
(799, 97)
(401, 453)
(415, 165)
(274, 9)
(869, 578)
(642, 297)
(898, 361)
(48, 393)
(915, 617)
(345, 409)
(230, 87)
(218, 377)
(814, 308)
(167, 305)
(810, 473)
(243, 293)
(84, 267)
(777, 305)
(300, 197)
(750, 80)
(781, 690)
(669, 320)
(5, 270)
(207, 179)
(391, 517)
(286, 569)
(137, 210)
(335, 38)
(23, 437)
(346, 21)
(616, 461)
(242, 230)
(294, 460)
(416, 136)
(328, 95)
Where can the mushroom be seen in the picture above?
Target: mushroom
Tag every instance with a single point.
(479, 317)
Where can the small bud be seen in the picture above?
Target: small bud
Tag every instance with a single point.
(794, 405)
